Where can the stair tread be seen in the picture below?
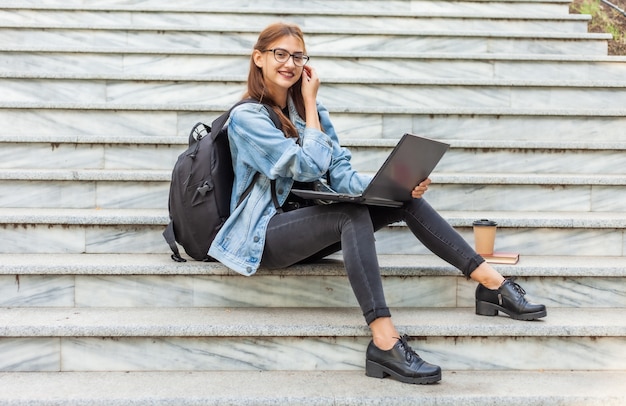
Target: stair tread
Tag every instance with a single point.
(390, 265)
(297, 322)
(519, 388)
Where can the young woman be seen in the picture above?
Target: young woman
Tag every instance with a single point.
(307, 149)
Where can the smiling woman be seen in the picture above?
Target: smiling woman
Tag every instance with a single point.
(265, 229)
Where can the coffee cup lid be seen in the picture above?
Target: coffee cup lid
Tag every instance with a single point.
(484, 222)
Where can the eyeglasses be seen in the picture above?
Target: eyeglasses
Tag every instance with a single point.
(282, 56)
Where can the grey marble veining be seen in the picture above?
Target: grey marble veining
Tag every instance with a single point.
(458, 94)
(30, 354)
(467, 353)
(47, 194)
(89, 122)
(51, 155)
(149, 195)
(521, 128)
(348, 125)
(42, 240)
(134, 291)
(540, 241)
(336, 42)
(36, 290)
(468, 22)
(427, 67)
(398, 6)
(510, 198)
(124, 240)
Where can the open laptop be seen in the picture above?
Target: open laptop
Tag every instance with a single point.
(411, 161)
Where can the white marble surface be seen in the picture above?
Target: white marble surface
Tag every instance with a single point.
(392, 6)
(301, 291)
(30, 354)
(550, 44)
(427, 66)
(454, 22)
(248, 339)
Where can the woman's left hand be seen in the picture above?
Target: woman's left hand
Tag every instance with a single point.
(420, 189)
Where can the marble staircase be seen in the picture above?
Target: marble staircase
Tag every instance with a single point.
(97, 99)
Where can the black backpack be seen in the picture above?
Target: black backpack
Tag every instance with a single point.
(202, 182)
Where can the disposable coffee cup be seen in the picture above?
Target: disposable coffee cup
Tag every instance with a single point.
(484, 236)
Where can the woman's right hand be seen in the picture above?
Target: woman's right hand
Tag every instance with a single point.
(310, 84)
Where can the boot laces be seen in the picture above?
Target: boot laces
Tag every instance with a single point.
(409, 353)
(517, 287)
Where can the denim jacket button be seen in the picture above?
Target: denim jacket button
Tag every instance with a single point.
(256, 238)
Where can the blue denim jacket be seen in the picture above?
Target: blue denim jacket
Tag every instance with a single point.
(258, 146)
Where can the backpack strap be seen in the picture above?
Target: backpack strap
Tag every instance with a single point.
(219, 122)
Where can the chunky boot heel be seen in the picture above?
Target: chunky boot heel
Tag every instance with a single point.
(508, 298)
(401, 363)
(485, 309)
(374, 370)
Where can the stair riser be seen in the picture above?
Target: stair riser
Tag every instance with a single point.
(411, 96)
(531, 7)
(233, 21)
(310, 353)
(84, 123)
(327, 67)
(44, 238)
(152, 157)
(315, 42)
(154, 195)
(279, 291)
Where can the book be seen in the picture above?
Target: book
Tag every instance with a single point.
(502, 258)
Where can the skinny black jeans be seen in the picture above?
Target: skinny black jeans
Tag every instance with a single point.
(313, 232)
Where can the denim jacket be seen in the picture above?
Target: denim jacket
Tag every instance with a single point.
(258, 146)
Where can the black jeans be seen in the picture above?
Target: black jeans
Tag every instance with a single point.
(314, 232)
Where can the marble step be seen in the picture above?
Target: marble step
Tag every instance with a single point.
(349, 388)
(338, 40)
(394, 92)
(345, 65)
(123, 120)
(306, 18)
(245, 339)
(421, 281)
(24, 120)
(540, 7)
(101, 231)
(148, 189)
(152, 158)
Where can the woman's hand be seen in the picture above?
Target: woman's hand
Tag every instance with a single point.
(310, 84)
(420, 189)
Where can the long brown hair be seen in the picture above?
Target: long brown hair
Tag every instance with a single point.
(256, 82)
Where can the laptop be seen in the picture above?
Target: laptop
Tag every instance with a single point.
(411, 161)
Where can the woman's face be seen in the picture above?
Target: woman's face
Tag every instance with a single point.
(280, 76)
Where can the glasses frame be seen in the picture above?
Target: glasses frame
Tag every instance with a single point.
(306, 58)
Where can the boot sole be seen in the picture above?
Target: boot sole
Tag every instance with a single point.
(375, 370)
(490, 309)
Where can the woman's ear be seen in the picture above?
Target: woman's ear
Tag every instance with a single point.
(257, 57)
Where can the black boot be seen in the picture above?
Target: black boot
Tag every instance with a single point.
(508, 298)
(401, 363)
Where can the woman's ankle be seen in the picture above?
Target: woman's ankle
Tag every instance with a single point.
(384, 333)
